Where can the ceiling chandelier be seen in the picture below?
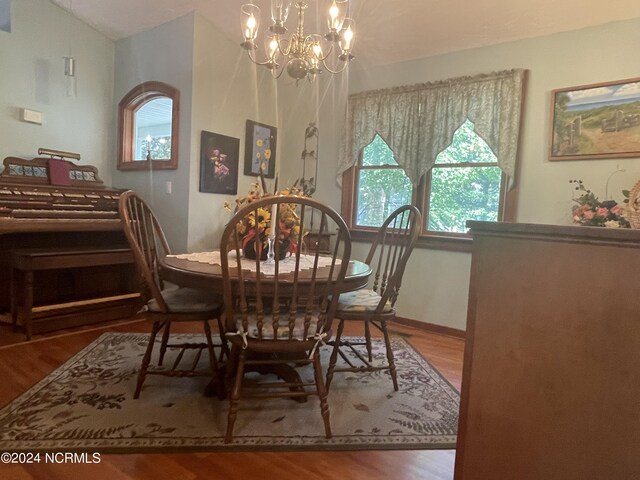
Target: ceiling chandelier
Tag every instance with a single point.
(302, 56)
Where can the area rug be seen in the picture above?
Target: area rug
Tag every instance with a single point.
(87, 404)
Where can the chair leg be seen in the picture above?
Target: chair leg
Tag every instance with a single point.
(147, 358)
(392, 364)
(367, 336)
(235, 396)
(218, 379)
(231, 368)
(334, 353)
(224, 351)
(322, 393)
(163, 344)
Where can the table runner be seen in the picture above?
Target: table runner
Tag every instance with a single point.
(287, 265)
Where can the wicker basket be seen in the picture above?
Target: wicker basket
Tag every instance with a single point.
(632, 210)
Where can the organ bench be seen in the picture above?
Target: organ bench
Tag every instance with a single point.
(25, 262)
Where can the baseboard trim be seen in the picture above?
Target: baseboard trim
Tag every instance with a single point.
(431, 327)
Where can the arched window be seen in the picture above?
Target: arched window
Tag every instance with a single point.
(465, 183)
(148, 124)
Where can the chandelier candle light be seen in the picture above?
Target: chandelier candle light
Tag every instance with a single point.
(302, 56)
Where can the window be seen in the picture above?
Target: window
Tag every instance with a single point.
(382, 185)
(465, 183)
(148, 127)
(152, 128)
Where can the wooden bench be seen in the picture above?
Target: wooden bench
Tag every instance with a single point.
(25, 262)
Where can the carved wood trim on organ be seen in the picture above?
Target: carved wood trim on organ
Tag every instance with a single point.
(38, 172)
(26, 193)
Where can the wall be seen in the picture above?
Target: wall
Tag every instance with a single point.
(322, 102)
(32, 77)
(163, 54)
(436, 283)
(228, 90)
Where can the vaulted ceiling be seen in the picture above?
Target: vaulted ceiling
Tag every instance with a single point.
(388, 31)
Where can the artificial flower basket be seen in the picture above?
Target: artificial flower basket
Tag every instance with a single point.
(590, 211)
(632, 209)
(254, 230)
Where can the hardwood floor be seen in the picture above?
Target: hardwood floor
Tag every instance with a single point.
(23, 364)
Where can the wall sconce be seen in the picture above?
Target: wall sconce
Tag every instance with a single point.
(70, 66)
(70, 76)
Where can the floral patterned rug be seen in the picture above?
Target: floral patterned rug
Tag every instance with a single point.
(87, 404)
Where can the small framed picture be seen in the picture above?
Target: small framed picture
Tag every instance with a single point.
(260, 149)
(601, 120)
(219, 162)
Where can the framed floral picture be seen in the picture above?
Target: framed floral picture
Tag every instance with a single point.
(594, 121)
(219, 162)
(260, 149)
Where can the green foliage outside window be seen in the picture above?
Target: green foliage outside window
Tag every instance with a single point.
(381, 190)
(160, 148)
(464, 193)
(465, 184)
(461, 194)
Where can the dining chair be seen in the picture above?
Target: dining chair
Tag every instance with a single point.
(167, 303)
(279, 312)
(388, 258)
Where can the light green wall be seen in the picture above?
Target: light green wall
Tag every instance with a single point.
(324, 103)
(161, 54)
(436, 283)
(219, 90)
(32, 76)
(227, 91)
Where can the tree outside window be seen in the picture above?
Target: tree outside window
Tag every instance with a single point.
(464, 184)
(382, 185)
(159, 148)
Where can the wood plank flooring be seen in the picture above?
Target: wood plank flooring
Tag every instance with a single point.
(24, 364)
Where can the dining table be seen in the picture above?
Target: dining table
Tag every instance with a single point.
(185, 271)
(201, 271)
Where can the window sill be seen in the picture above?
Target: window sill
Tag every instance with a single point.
(148, 165)
(461, 243)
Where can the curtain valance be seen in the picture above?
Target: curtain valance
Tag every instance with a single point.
(418, 121)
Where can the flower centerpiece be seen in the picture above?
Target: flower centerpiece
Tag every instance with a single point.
(260, 225)
(592, 212)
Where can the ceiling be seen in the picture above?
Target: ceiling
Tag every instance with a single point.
(388, 31)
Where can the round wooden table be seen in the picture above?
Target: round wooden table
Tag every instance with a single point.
(205, 276)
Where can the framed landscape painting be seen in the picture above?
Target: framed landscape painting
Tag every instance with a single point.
(219, 163)
(260, 149)
(596, 121)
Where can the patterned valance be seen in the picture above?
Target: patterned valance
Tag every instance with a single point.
(418, 121)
